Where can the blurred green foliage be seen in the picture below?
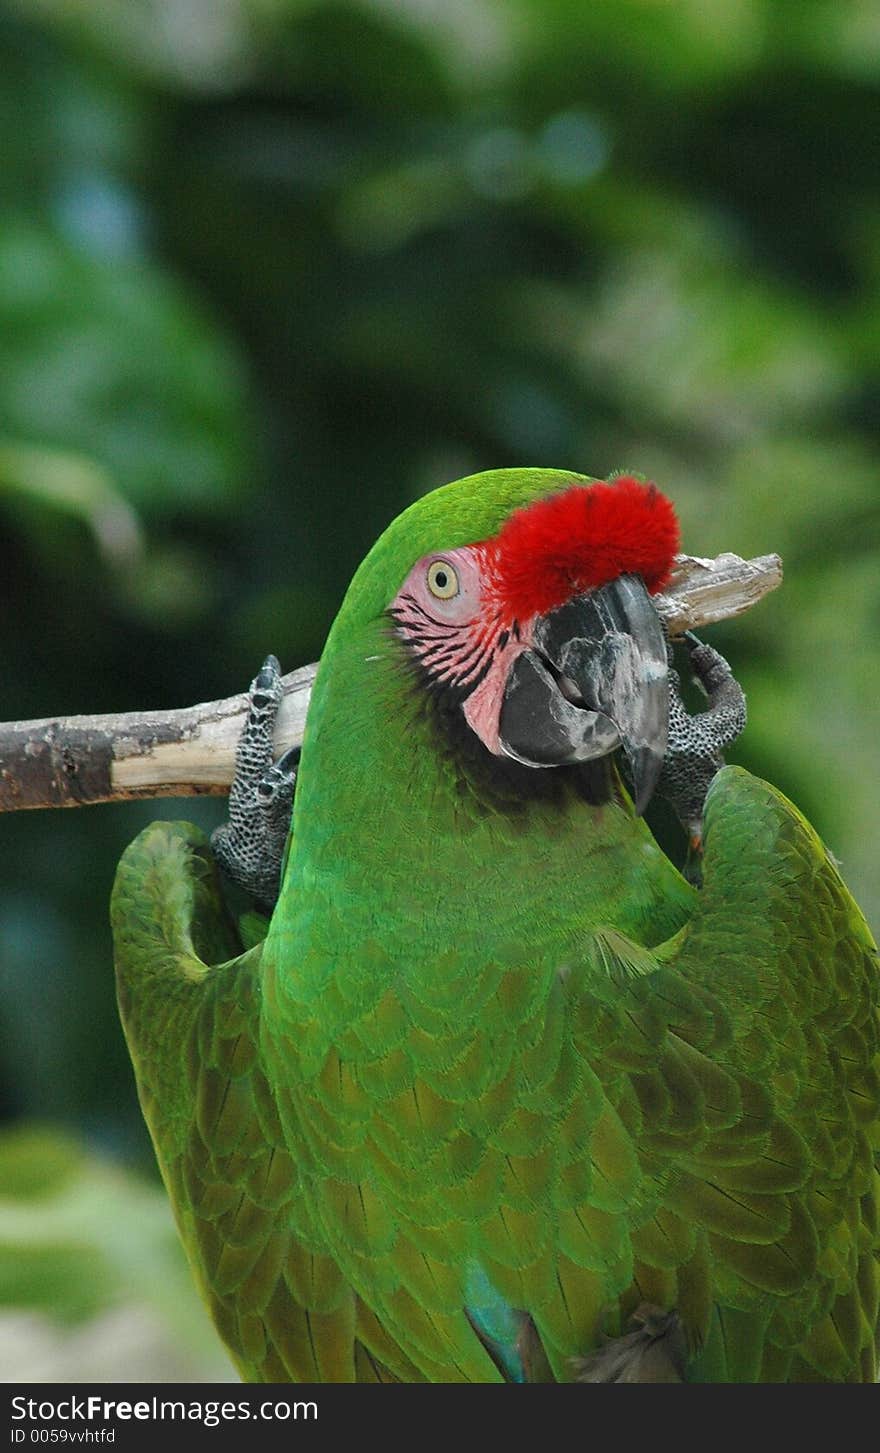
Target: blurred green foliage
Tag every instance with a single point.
(271, 268)
(93, 1280)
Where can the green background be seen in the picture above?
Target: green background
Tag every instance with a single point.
(268, 271)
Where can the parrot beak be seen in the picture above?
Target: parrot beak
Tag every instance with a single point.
(596, 679)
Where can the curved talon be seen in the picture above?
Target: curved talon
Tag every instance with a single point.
(266, 680)
(271, 667)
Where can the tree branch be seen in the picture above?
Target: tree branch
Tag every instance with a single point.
(75, 760)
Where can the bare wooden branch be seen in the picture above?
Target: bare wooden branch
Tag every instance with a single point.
(703, 592)
(76, 760)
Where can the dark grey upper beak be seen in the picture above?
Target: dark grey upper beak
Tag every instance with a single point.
(596, 680)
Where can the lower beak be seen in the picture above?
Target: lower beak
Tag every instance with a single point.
(597, 679)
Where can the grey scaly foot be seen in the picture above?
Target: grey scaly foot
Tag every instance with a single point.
(696, 743)
(655, 1350)
(250, 846)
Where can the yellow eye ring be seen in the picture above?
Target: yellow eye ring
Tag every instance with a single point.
(442, 579)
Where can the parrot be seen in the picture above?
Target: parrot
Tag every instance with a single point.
(488, 1090)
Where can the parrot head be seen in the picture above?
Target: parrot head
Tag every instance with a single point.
(542, 633)
(495, 649)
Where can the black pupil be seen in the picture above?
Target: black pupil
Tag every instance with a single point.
(441, 579)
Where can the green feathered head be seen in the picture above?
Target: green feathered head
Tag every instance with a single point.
(520, 599)
(458, 514)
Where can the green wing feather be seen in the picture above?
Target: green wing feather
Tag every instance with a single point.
(278, 1300)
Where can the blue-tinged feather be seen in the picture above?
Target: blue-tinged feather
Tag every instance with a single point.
(496, 1323)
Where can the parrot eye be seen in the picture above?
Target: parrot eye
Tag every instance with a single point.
(443, 580)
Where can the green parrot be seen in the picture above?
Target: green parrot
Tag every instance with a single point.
(500, 1095)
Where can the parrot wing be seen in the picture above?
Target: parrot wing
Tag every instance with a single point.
(769, 1109)
(191, 1010)
(730, 1152)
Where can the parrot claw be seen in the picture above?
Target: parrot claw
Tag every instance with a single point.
(654, 1350)
(695, 743)
(250, 846)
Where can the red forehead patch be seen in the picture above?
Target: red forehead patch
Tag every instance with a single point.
(579, 539)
